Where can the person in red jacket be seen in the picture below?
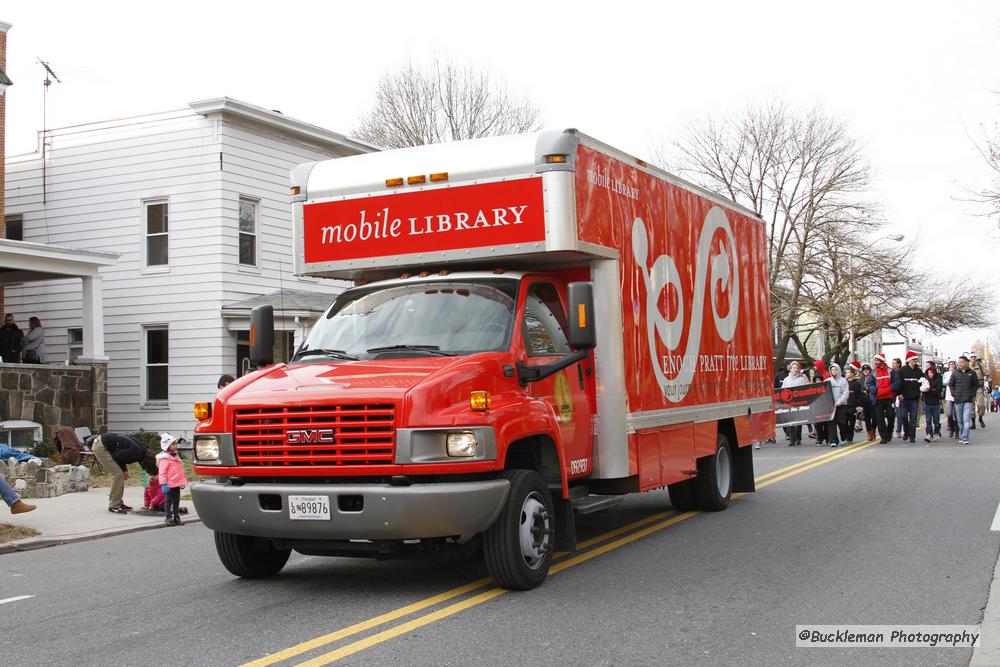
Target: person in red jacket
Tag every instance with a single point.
(172, 478)
(152, 497)
(884, 398)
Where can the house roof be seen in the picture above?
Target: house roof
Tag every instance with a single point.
(4, 79)
(285, 302)
(247, 111)
(24, 261)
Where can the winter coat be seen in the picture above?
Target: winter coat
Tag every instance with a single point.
(841, 391)
(171, 470)
(910, 379)
(152, 497)
(820, 367)
(933, 395)
(871, 388)
(34, 342)
(10, 343)
(794, 380)
(884, 378)
(855, 393)
(123, 449)
(963, 385)
(947, 389)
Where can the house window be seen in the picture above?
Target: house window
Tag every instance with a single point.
(248, 231)
(75, 341)
(155, 214)
(13, 227)
(156, 357)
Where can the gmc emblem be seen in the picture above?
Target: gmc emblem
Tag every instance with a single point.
(310, 436)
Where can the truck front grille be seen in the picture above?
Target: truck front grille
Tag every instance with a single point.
(331, 435)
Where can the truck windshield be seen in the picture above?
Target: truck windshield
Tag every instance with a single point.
(422, 319)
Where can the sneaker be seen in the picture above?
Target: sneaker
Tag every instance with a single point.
(118, 510)
(20, 507)
(833, 444)
(124, 506)
(928, 438)
(899, 434)
(757, 446)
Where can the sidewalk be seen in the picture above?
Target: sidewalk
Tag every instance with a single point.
(73, 517)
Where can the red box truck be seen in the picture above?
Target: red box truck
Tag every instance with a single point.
(539, 324)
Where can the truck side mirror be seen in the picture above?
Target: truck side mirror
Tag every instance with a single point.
(582, 335)
(262, 336)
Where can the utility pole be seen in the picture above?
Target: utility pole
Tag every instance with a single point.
(45, 105)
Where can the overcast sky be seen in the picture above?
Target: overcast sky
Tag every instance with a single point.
(916, 81)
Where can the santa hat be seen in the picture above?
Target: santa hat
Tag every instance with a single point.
(911, 355)
(880, 357)
(856, 365)
(166, 440)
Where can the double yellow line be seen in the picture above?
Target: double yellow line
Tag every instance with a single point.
(632, 532)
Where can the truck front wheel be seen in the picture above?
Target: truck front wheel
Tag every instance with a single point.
(249, 557)
(518, 546)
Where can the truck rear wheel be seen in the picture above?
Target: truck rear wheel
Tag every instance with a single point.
(249, 557)
(715, 477)
(519, 545)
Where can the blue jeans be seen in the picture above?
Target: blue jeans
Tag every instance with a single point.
(963, 413)
(7, 493)
(932, 413)
(908, 413)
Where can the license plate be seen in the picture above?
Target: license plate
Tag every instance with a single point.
(309, 508)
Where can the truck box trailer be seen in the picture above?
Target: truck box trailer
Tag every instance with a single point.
(538, 325)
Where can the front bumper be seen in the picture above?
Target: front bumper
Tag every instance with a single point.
(388, 513)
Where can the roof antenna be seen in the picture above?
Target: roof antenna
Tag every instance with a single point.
(45, 101)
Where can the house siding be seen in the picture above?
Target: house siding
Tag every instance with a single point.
(97, 178)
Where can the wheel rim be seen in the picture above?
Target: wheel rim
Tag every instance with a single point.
(723, 472)
(534, 530)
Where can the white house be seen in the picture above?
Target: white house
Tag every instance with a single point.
(195, 203)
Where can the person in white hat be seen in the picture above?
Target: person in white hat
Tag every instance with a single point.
(949, 400)
(172, 478)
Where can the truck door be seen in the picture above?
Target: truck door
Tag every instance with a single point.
(543, 333)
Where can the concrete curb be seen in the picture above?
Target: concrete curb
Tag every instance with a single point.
(33, 543)
(987, 654)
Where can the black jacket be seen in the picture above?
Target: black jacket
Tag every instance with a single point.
(123, 449)
(963, 385)
(10, 342)
(855, 396)
(910, 391)
(933, 397)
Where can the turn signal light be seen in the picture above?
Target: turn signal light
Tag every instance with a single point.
(416, 180)
(202, 411)
(479, 401)
(296, 190)
(393, 182)
(556, 159)
(582, 315)
(439, 177)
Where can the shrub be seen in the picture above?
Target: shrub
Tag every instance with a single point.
(151, 439)
(44, 449)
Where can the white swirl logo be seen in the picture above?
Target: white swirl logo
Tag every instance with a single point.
(663, 273)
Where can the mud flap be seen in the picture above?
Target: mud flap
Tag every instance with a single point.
(565, 524)
(743, 469)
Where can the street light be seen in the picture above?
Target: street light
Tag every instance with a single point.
(852, 341)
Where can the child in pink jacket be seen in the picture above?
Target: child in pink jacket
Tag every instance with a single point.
(172, 478)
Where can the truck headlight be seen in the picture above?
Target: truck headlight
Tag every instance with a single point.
(206, 448)
(462, 443)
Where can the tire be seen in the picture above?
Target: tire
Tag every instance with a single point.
(518, 547)
(682, 495)
(714, 486)
(249, 557)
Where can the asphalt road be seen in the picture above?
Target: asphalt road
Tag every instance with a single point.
(882, 534)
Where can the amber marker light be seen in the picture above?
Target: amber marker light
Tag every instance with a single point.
(296, 190)
(479, 401)
(439, 177)
(582, 315)
(556, 159)
(202, 411)
(393, 182)
(416, 180)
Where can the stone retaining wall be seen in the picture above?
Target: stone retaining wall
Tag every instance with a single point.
(54, 395)
(44, 480)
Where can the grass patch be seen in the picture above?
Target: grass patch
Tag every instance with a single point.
(9, 533)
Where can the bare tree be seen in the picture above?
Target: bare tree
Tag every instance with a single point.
(415, 106)
(802, 174)
(989, 196)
